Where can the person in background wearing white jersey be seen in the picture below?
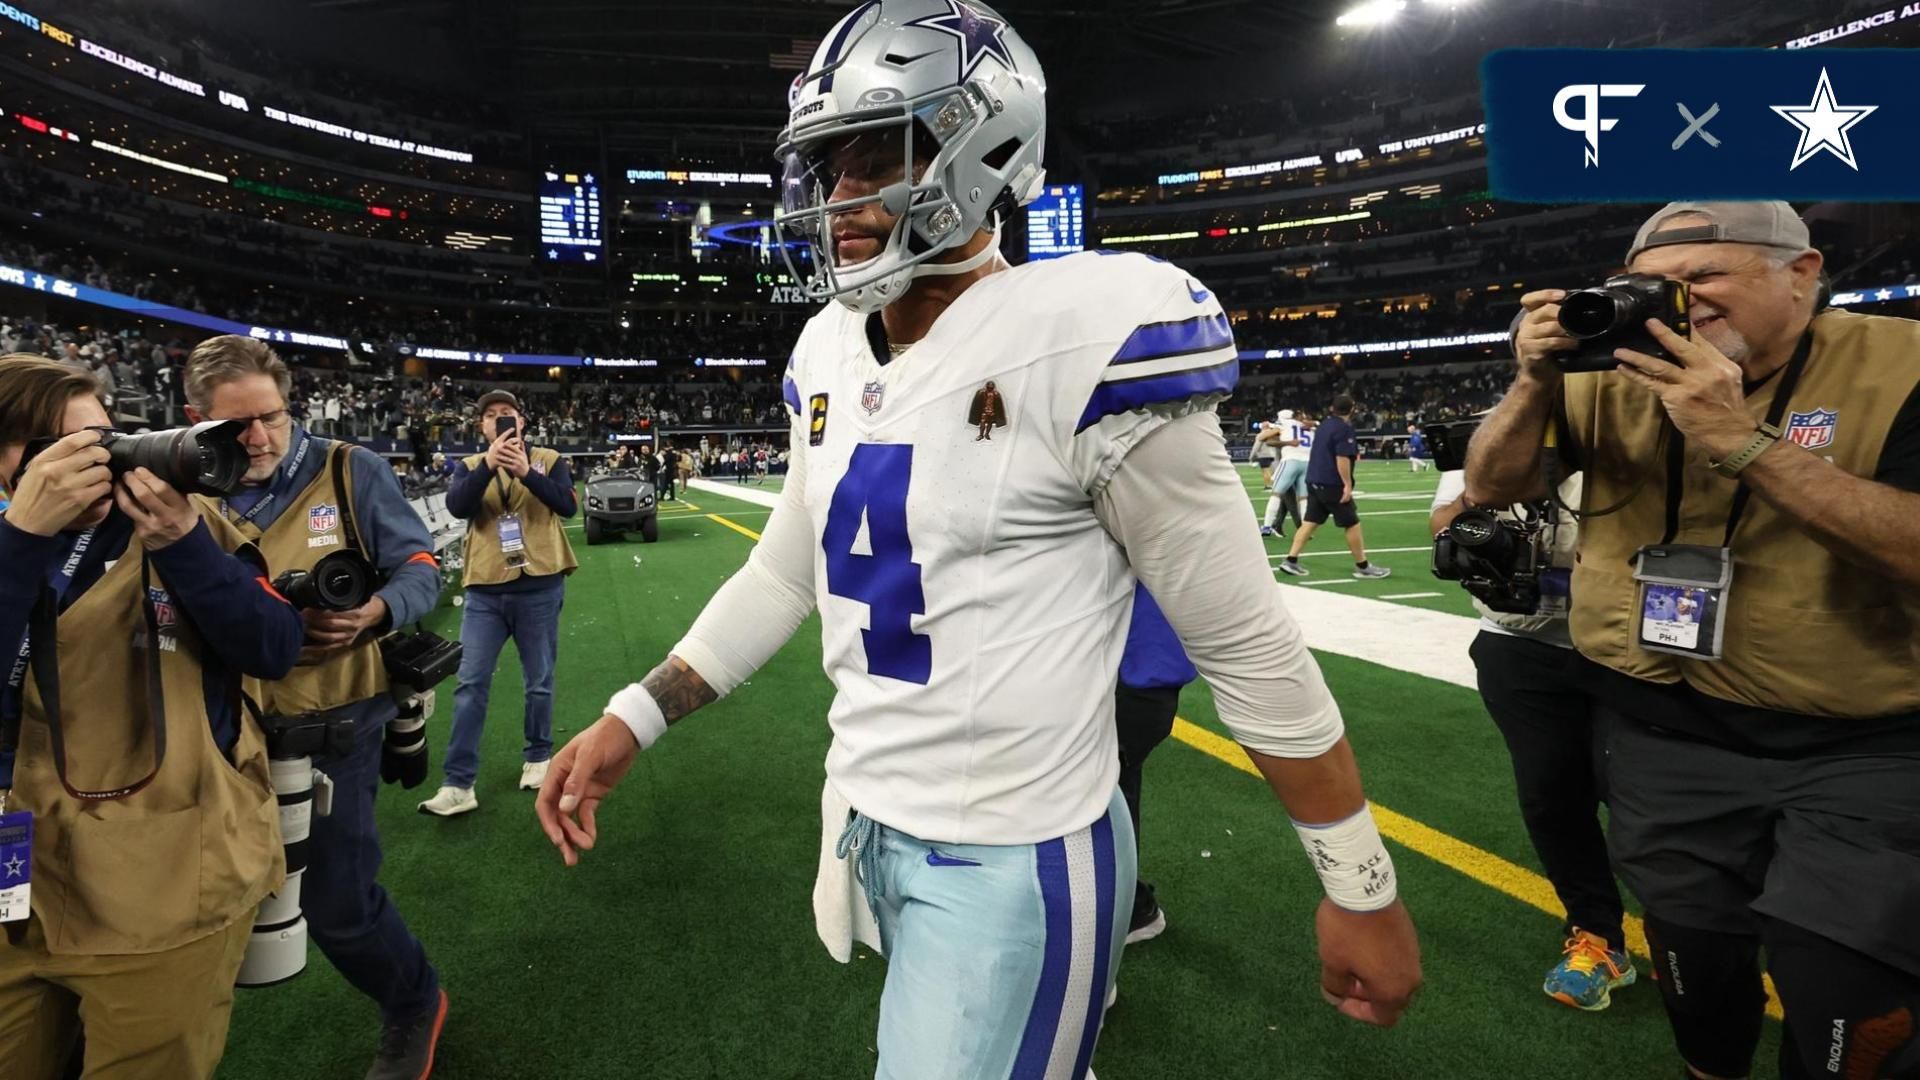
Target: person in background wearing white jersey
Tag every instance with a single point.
(974, 594)
(1288, 492)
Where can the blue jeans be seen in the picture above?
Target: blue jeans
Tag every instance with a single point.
(532, 620)
(349, 915)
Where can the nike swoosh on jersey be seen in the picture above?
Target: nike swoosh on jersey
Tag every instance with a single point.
(934, 858)
(1199, 294)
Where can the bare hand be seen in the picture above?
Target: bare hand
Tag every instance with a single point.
(1540, 335)
(161, 515)
(332, 632)
(497, 447)
(583, 773)
(1369, 961)
(1702, 390)
(60, 484)
(1346, 494)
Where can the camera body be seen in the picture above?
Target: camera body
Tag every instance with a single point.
(341, 581)
(1499, 560)
(1614, 315)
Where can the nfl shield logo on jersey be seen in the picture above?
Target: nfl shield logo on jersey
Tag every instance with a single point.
(870, 396)
(1811, 430)
(323, 518)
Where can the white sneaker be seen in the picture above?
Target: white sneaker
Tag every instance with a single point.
(449, 801)
(532, 775)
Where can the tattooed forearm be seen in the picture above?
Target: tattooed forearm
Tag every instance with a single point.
(677, 688)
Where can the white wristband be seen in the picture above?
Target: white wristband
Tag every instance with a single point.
(637, 709)
(1354, 866)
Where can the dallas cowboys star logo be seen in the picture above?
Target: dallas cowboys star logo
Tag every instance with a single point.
(1823, 125)
(979, 35)
(14, 867)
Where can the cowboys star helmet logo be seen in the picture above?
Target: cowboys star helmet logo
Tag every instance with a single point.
(979, 35)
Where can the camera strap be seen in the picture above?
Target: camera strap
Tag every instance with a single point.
(46, 676)
(1676, 450)
(337, 462)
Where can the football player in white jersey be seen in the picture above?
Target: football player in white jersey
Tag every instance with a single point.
(984, 458)
(1289, 487)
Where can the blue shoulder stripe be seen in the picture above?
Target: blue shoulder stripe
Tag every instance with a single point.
(791, 391)
(1125, 395)
(1156, 341)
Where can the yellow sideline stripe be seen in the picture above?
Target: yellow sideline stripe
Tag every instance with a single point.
(735, 526)
(1481, 865)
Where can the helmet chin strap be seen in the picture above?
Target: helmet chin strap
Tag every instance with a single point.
(972, 262)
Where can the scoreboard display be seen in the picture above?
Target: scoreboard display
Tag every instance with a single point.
(1055, 222)
(569, 217)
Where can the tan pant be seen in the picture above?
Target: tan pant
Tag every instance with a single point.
(146, 1017)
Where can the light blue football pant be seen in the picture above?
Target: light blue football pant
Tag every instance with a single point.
(1290, 479)
(999, 959)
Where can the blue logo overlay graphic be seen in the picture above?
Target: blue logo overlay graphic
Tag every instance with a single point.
(1647, 125)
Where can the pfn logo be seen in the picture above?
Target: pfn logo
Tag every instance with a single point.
(1590, 123)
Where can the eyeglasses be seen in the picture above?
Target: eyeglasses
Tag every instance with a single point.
(272, 421)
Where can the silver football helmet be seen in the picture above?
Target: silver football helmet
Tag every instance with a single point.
(948, 78)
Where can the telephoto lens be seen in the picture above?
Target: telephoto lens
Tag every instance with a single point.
(341, 581)
(403, 758)
(205, 459)
(278, 949)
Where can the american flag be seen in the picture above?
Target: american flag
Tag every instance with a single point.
(799, 51)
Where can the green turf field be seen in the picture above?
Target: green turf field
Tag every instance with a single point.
(683, 947)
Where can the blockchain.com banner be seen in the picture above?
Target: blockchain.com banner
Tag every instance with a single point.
(1647, 125)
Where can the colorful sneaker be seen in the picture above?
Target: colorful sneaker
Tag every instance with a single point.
(1587, 975)
(1266, 530)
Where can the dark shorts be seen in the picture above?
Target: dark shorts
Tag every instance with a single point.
(1323, 502)
(1712, 838)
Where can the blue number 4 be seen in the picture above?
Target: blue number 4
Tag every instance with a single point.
(887, 581)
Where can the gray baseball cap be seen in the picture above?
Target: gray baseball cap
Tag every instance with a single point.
(1772, 224)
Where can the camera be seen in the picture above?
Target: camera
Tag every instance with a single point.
(1499, 560)
(341, 581)
(1614, 315)
(205, 459)
(1448, 442)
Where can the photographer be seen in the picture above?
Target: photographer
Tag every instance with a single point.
(301, 497)
(1528, 676)
(516, 570)
(135, 806)
(1764, 753)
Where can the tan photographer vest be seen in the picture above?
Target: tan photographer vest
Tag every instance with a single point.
(298, 539)
(1806, 632)
(547, 549)
(181, 858)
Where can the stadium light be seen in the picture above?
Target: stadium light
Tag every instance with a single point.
(1372, 13)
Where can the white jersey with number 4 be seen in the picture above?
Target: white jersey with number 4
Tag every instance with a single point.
(973, 609)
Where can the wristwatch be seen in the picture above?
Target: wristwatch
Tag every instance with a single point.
(1763, 438)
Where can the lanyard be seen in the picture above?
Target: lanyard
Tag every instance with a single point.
(280, 484)
(60, 585)
(43, 624)
(1676, 448)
